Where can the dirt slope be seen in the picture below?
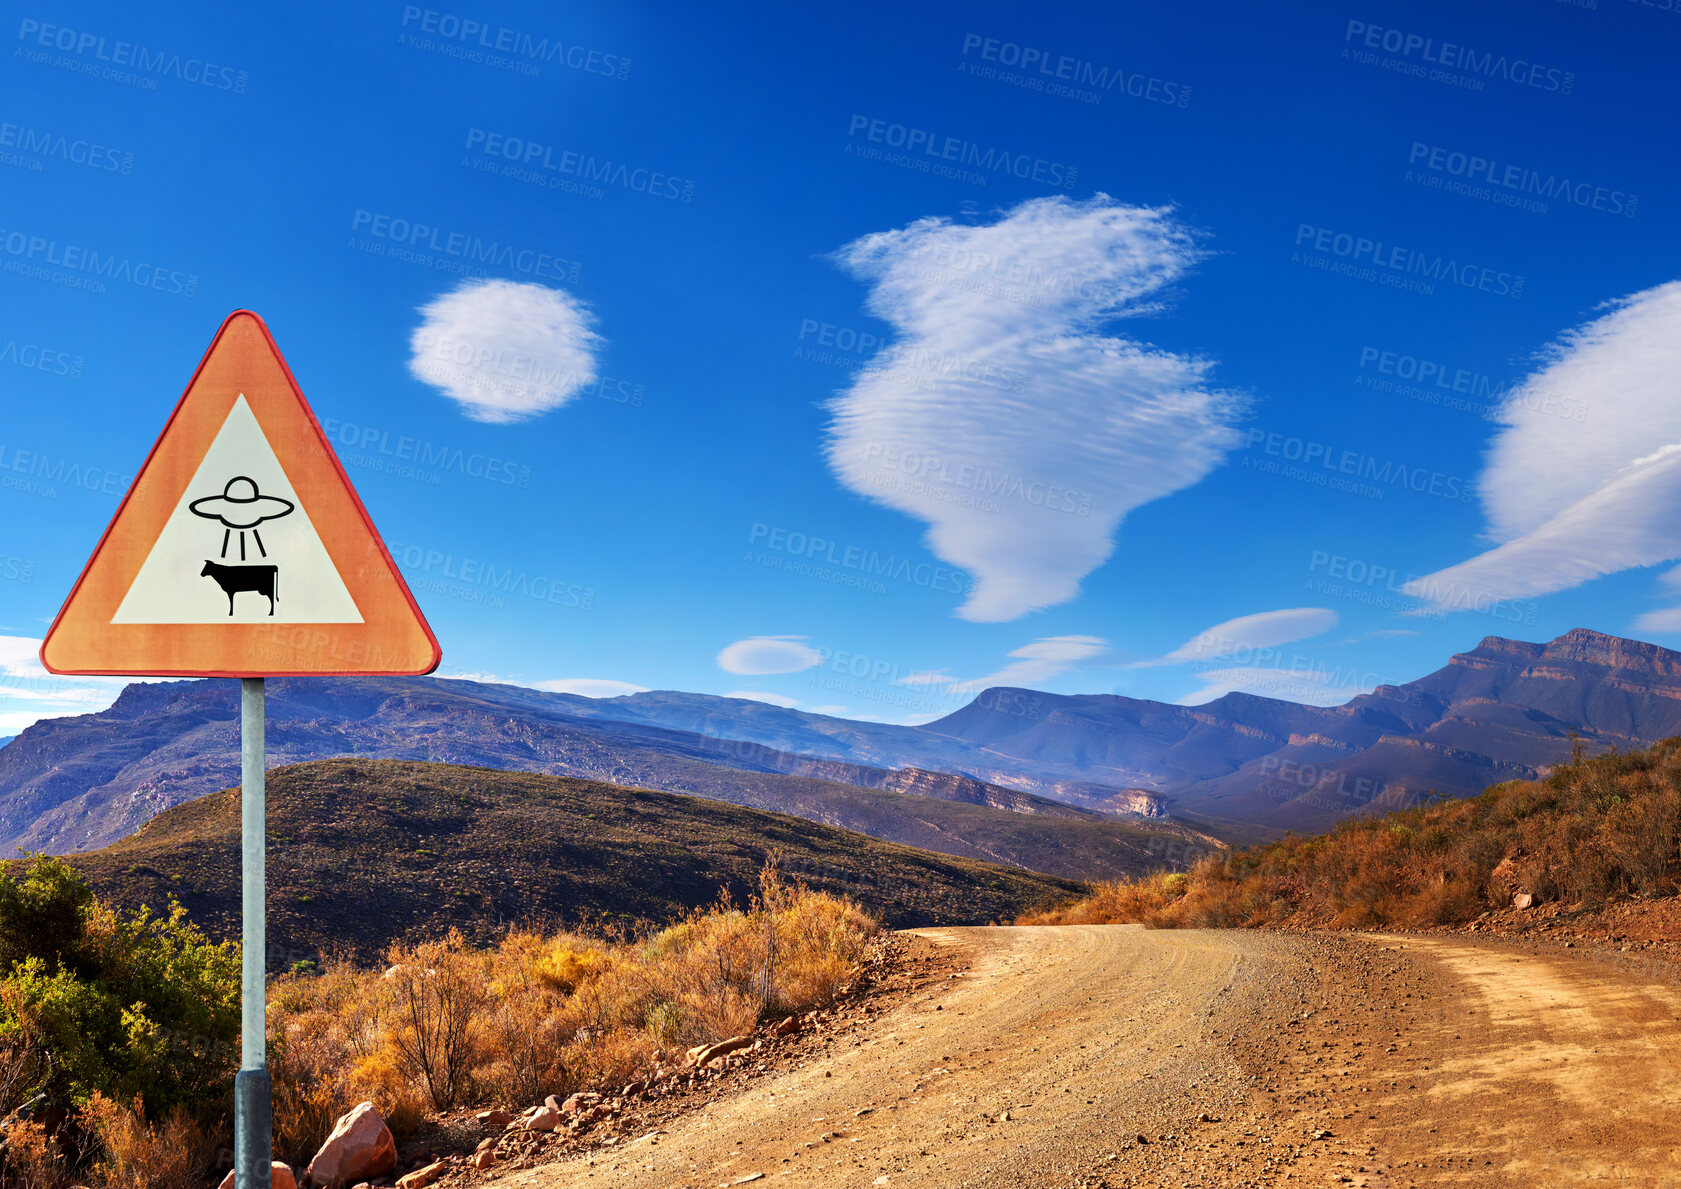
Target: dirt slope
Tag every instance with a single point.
(1110, 1056)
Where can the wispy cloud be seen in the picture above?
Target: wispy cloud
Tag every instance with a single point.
(1030, 665)
(1314, 687)
(505, 350)
(1006, 414)
(1567, 500)
(591, 687)
(761, 655)
(1248, 633)
(781, 700)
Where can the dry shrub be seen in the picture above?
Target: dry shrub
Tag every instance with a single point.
(322, 1027)
(716, 973)
(174, 1153)
(1443, 902)
(434, 994)
(1117, 902)
(380, 1079)
(816, 942)
(32, 1158)
(529, 1038)
(526, 1040)
(1595, 831)
(328, 1051)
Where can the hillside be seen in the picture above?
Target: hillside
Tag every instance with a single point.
(365, 851)
(1597, 831)
(72, 784)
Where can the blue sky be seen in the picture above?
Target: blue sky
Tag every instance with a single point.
(1159, 351)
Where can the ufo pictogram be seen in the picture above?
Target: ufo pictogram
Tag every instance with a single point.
(241, 507)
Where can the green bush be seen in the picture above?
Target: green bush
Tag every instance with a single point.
(129, 1005)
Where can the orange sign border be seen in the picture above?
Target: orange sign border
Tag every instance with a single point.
(428, 662)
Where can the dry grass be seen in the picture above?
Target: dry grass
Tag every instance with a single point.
(174, 1153)
(1595, 831)
(446, 1024)
(32, 1158)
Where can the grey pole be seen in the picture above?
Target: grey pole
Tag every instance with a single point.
(253, 1139)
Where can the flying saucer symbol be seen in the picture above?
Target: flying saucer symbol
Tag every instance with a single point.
(241, 507)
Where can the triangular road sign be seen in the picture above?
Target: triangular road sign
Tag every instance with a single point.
(241, 550)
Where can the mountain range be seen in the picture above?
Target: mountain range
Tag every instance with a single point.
(72, 784)
(1505, 710)
(1075, 785)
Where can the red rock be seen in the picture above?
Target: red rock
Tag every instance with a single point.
(712, 1052)
(422, 1177)
(482, 1159)
(546, 1119)
(582, 1100)
(359, 1149)
(280, 1177)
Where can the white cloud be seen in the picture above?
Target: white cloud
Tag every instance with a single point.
(1005, 415)
(760, 655)
(1030, 665)
(591, 687)
(23, 679)
(34, 694)
(1633, 520)
(1248, 633)
(837, 711)
(1585, 478)
(928, 677)
(755, 696)
(1311, 686)
(504, 350)
(1668, 619)
(20, 654)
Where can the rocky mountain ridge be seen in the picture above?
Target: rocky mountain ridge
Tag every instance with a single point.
(1503, 710)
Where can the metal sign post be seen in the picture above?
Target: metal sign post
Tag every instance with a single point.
(253, 1139)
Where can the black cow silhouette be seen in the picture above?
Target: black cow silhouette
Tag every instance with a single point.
(263, 580)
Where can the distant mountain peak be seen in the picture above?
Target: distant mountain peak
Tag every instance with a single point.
(1596, 648)
(1582, 646)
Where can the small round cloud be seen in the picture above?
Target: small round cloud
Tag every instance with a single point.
(761, 655)
(505, 351)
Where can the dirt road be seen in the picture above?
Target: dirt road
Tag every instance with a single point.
(1112, 1056)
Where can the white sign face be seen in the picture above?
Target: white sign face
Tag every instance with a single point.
(239, 547)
